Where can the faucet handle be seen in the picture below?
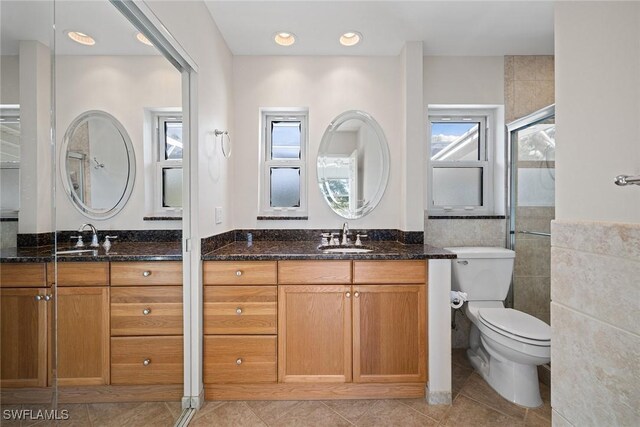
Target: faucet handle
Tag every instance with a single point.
(107, 242)
(79, 243)
(358, 241)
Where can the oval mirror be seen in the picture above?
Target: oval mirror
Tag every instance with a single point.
(353, 164)
(98, 164)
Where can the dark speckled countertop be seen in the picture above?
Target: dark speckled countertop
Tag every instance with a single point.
(120, 251)
(282, 250)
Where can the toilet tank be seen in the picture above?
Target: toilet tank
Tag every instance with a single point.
(484, 273)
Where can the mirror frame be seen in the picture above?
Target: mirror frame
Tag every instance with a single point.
(382, 144)
(66, 180)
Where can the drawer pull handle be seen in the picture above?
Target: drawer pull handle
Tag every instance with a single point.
(239, 361)
(38, 297)
(146, 273)
(239, 273)
(146, 362)
(146, 311)
(356, 294)
(348, 294)
(238, 311)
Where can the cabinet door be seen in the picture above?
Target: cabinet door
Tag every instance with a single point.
(314, 333)
(83, 336)
(389, 333)
(23, 338)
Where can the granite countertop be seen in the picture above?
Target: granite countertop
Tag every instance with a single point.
(294, 250)
(120, 251)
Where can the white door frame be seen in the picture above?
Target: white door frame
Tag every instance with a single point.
(143, 18)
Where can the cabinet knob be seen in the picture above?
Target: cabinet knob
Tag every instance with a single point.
(348, 294)
(238, 311)
(38, 297)
(146, 273)
(48, 297)
(146, 362)
(356, 294)
(146, 311)
(239, 273)
(239, 361)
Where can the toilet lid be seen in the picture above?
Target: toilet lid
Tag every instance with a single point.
(516, 323)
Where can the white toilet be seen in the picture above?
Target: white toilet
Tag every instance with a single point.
(506, 345)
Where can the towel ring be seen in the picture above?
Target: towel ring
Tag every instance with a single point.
(226, 148)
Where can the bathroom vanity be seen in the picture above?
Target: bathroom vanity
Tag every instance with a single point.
(283, 320)
(119, 324)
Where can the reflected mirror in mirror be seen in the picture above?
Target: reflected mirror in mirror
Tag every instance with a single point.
(98, 164)
(353, 164)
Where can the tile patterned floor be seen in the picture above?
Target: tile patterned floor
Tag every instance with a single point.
(475, 404)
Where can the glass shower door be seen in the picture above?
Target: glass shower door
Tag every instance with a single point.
(532, 208)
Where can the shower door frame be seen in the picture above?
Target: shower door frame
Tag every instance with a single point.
(511, 167)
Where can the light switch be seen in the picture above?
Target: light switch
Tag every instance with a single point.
(218, 215)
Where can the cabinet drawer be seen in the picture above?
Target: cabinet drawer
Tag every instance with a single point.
(146, 310)
(240, 309)
(412, 271)
(239, 273)
(162, 355)
(23, 275)
(80, 274)
(314, 272)
(156, 273)
(239, 359)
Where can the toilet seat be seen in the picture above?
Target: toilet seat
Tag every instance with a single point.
(516, 325)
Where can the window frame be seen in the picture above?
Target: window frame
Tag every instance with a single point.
(486, 163)
(158, 119)
(268, 116)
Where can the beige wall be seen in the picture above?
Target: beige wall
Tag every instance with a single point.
(192, 25)
(327, 86)
(596, 239)
(9, 79)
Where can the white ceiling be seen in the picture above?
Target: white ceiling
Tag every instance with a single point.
(33, 20)
(477, 28)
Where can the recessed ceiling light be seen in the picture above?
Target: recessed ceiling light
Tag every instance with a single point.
(285, 38)
(81, 38)
(350, 38)
(143, 39)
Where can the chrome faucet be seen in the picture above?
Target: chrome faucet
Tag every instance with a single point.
(345, 234)
(94, 237)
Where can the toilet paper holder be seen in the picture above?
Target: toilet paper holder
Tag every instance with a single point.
(457, 299)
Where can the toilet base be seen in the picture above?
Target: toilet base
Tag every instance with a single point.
(518, 383)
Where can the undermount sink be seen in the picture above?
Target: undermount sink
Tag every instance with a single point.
(345, 249)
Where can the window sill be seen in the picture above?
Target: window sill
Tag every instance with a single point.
(467, 217)
(282, 218)
(162, 218)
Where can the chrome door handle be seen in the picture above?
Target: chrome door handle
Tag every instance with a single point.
(38, 297)
(146, 362)
(238, 311)
(239, 273)
(465, 262)
(146, 273)
(356, 294)
(48, 297)
(239, 361)
(146, 311)
(348, 294)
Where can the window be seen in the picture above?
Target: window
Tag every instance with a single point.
(283, 152)
(460, 166)
(168, 146)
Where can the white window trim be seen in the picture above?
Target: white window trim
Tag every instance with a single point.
(487, 162)
(266, 116)
(158, 157)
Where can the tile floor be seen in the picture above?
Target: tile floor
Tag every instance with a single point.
(475, 404)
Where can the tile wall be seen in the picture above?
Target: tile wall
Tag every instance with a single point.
(595, 274)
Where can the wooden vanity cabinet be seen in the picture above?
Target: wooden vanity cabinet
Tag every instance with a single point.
(25, 322)
(83, 323)
(314, 331)
(146, 323)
